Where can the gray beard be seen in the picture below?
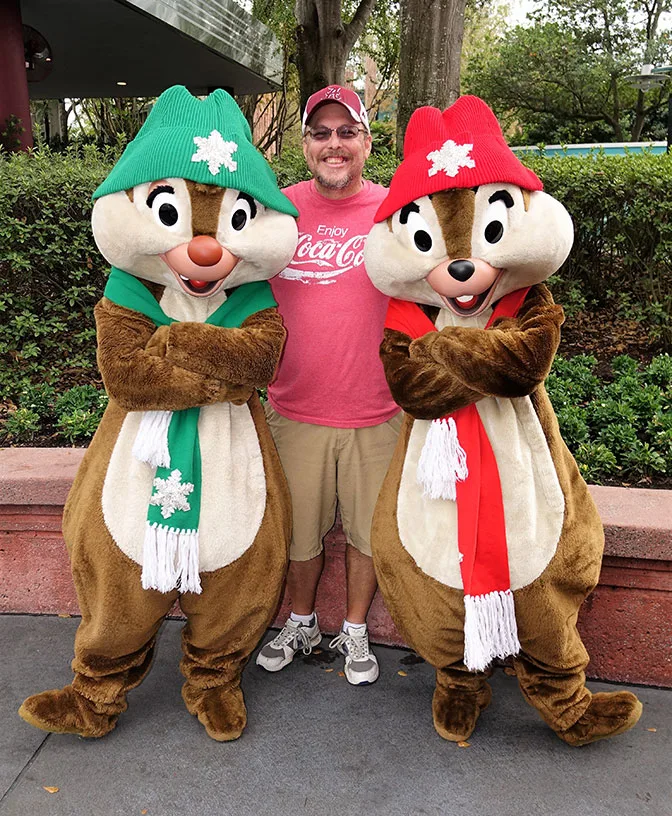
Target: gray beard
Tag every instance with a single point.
(335, 185)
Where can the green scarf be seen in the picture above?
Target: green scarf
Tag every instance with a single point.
(169, 440)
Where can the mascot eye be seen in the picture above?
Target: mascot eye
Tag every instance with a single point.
(163, 204)
(418, 228)
(497, 216)
(244, 211)
(494, 231)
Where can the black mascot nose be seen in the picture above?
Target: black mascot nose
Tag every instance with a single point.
(461, 270)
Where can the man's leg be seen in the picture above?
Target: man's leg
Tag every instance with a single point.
(302, 580)
(362, 466)
(361, 584)
(308, 456)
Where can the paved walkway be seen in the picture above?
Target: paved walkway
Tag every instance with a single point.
(313, 745)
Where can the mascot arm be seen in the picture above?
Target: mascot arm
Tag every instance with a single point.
(422, 387)
(139, 380)
(512, 358)
(247, 356)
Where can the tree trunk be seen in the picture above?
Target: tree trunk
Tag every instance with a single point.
(324, 42)
(429, 57)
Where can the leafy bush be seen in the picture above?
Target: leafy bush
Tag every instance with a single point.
(620, 429)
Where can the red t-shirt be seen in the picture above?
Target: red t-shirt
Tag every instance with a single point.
(330, 372)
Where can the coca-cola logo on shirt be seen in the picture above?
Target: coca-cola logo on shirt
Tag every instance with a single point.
(323, 257)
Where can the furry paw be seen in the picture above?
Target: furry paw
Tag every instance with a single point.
(609, 714)
(456, 711)
(64, 711)
(221, 710)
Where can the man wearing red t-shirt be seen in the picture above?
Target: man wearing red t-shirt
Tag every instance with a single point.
(329, 408)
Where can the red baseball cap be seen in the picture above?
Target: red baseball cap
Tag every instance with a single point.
(336, 93)
(460, 148)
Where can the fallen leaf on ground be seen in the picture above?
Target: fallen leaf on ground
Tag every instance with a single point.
(462, 744)
(402, 674)
(652, 729)
(317, 651)
(328, 670)
(143, 813)
(50, 789)
(65, 616)
(341, 674)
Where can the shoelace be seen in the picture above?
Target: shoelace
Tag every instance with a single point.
(356, 646)
(296, 637)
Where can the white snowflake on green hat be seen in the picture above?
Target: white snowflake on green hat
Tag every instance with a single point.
(216, 151)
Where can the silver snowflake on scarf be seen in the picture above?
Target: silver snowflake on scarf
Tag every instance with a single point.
(450, 158)
(171, 494)
(215, 151)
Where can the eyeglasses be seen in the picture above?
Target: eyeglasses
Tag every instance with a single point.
(344, 132)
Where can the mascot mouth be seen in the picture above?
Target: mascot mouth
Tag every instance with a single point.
(198, 288)
(471, 305)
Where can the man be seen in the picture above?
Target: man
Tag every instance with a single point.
(330, 411)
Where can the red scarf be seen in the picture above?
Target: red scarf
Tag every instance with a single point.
(490, 624)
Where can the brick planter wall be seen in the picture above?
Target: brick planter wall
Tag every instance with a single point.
(626, 623)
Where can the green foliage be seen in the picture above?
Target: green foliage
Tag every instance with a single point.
(622, 254)
(563, 77)
(621, 429)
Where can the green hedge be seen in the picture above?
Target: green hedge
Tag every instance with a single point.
(51, 273)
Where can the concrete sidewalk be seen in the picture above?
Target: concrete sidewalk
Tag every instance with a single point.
(313, 745)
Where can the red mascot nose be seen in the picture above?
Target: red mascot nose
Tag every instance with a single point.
(204, 251)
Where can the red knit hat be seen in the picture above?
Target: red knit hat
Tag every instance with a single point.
(460, 148)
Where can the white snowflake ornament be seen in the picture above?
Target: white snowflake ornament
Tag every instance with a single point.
(450, 158)
(216, 152)
(171, 494)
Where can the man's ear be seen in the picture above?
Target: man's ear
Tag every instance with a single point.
(369, 144)
(304, 147)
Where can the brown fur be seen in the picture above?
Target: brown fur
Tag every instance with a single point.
(438, 374)
(206, 200)
(455, 211)
(115, 641)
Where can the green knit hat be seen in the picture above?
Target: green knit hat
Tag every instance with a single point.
(206, 141)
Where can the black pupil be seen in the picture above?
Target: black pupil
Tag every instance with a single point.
(423, 240)
(493, 232)
(239, 219)
(168, 214)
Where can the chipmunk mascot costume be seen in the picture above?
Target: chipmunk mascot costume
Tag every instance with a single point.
(485, 538)
(181, 493)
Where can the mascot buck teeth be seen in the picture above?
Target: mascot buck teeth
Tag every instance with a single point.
(485, 538)
(181, 493)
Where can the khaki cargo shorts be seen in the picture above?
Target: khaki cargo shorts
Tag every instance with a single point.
(324, 465)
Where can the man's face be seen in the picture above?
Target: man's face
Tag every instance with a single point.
(336, 164)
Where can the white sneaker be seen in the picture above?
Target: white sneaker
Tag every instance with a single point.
(361, 665)
(292, 638)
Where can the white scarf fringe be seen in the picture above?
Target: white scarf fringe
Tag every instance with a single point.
(443, 461)
(151, 440)
(490, 628)
(170, 559)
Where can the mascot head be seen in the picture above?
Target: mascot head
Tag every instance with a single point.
(191, 204)
(464, 222)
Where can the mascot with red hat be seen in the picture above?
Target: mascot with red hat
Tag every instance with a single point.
(485, 538)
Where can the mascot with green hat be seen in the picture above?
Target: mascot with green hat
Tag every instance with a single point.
(180, 495)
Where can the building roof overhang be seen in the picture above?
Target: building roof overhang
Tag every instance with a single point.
(150, 45)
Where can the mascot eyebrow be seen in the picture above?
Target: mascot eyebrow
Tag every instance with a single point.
(407, 210)
(501, 195)
(162, 188)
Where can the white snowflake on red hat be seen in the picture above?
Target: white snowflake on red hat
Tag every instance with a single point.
(450, 158)
(334, 92)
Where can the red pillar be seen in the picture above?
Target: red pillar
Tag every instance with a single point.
(14, 99)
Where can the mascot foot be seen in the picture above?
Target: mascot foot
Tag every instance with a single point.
(456, 711)
(221, 710)
(64, 711)
(609, 714)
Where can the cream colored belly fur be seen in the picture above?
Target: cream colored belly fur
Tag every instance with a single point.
(233, 498)
(534, 505)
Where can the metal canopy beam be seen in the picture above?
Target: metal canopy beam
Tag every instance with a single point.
(150, 45)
